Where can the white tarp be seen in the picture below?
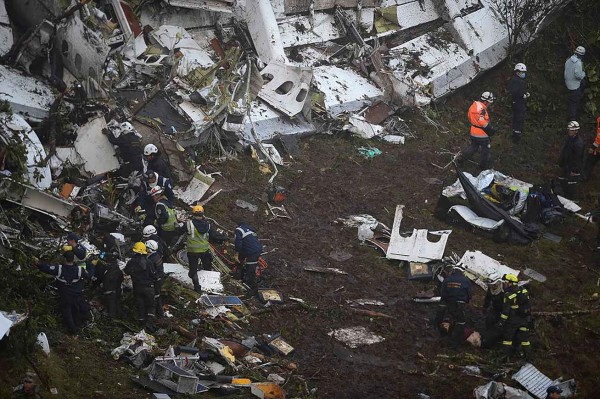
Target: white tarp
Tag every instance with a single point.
(416, 248)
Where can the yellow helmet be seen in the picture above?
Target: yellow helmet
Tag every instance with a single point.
(197, 209)
(510, 278)
(140, 248)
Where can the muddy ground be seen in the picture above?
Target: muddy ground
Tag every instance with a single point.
(330, 180)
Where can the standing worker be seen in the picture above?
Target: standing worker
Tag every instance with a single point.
(112, 279)
(248, 250)
(166, 217)
(574, 75)
(155, 162)
(198, 247)
(156, 261)
(149, 233)
(494, 300)
(515, 319)
(481, 130)
(456, 292)
(571, 159)
(593, 154)
(70, 282)
(73, 245)
(518, 90)
(142, 278)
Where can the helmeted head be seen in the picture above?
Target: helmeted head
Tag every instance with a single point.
(510, 279)
(148, 231)
(72, 238)
(572, 128)
(156, 193)
(495, 283)
(553, 391)
(139, 248)
(198, 210)
(580, 51)
(151, 246)
(487, 96)
(151, 177)
(150, 150)
(520, 67)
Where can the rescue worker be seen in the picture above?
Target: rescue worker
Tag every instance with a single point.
(153, 179)
(553, 392)
(70, 283)
(73, 245)
(494, 300)
(518, 91)
(515, 319)
(571, 159)
(156, 261)
(166, 218)
(112, 279)
(129, 145)
(28, 389)
(574, 76)
(247, 253)
(481, 130)
(155, 162)
(142, 277)
(593, 154)
(456, 292)
(198, 247)
(149, 233)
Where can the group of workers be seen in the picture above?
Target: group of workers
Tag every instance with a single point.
(160, 233)
(575, 166)
(508, 313)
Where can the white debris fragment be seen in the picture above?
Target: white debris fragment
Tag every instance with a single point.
(355, 336)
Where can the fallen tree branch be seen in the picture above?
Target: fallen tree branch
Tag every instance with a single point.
(370, 313)
(566, 312)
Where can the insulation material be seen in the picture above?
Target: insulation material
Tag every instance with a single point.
(354, 337)
(416, 247)
(359, 126)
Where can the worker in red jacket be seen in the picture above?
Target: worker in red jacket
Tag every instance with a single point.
(593, 154)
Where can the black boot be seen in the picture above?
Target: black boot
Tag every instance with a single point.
(516, 136)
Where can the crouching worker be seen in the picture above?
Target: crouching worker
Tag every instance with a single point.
(142, 278)
(456, 293)
(111, 283)
(248, 250)
(70, 283)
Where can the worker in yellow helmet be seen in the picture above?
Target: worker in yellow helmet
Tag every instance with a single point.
(142, 277)
(515, 319)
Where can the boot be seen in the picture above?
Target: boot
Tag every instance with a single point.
(516, 136)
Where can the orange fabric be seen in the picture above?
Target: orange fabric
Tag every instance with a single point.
(596, 144)
(478, 117)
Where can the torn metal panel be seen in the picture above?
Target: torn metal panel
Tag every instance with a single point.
(498, 390)
(210, 281)
(344, 90)
(84, 50)
(536, 382)
(409, 14)
(286, 87)
(269, 124)
(6, 33)
(157, 15)
(225, 6)
(196, 189)
(14, 129)
(471, 217)
(35, 199)
(416, 248)
(94, 149)
(262, 26)
(482, 266)
(297, 6)
(362, 128)
(27, 95)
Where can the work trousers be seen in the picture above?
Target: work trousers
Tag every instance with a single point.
(112, 301)
(573, 107)
(519, 109)
(477, 143)
(455, 311)
(516, 333)
(75, 310)
(144, 301)
(157, 298)
(194, 259)
(249, 263)
(492, 317)
(168, 236)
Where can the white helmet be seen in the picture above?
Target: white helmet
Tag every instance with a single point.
(520, 67)
(493, 277)
(573, 125)
(156, 190)
(150, 149)
(487, 96)
(149, 231)
(580, 50)
(151, 246)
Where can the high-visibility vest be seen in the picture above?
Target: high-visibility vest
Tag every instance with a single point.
(478, 117)
(196, 243)
(171, 222)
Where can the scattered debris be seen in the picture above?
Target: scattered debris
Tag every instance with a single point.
(326, 270)
(354, 337)
(481, 266)
(536, 383)
(246, 205)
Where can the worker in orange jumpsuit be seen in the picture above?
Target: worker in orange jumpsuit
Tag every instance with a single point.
(481, 130)
(593, 154)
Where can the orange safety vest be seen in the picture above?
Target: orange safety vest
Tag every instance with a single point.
(597, 139)
(478, 117)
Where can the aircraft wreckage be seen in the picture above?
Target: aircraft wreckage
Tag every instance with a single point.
(247, 71)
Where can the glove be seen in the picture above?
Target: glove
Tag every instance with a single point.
(236, 257)
(95, 262)
(526, 95)
(67, 248)
(138, 209)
